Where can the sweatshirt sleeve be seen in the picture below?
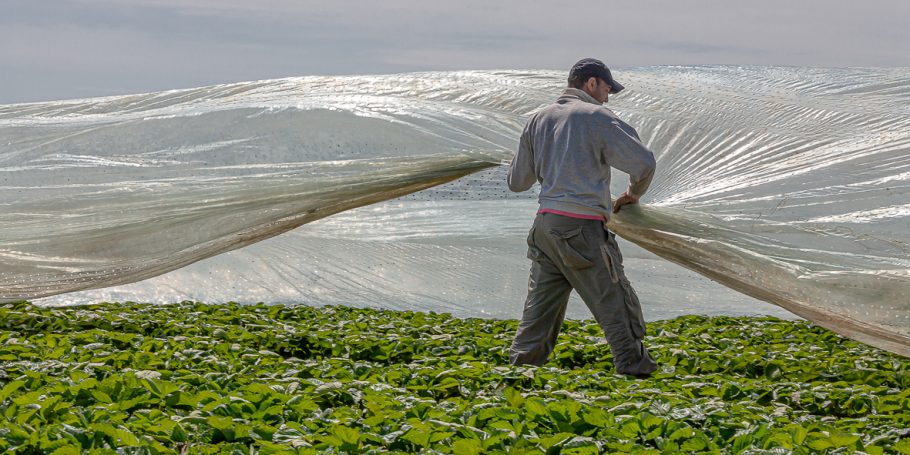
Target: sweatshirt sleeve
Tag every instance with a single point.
(521, 170)
(625, 152)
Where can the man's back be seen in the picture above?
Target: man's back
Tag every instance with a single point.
(569, 147)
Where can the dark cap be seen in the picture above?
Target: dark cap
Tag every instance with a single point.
(591, 67)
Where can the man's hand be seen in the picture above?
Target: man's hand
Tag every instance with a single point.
(625, 199)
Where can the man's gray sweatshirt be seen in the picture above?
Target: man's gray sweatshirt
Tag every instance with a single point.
(569, 147)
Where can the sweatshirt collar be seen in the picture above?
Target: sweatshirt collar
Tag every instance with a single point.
(580, 94)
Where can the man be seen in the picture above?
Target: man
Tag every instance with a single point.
(569, 147)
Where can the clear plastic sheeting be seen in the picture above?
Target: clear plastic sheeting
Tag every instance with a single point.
(787, 184)
(790, 185)
(110, 191)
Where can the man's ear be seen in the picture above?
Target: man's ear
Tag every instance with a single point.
(591, 84)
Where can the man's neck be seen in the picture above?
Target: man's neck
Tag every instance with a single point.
(583, 95)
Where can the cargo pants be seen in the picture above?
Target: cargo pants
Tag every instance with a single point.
(571, 253)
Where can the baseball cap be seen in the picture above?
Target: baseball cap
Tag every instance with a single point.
(591, 67)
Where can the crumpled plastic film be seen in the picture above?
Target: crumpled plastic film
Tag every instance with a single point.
(787, 184)
(110, 191)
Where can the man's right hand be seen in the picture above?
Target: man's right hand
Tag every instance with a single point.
(625, 199)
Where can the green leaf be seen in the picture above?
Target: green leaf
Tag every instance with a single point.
(596, 417)
(119, 436)
(501, 425)
(418, 437)
(331, 440)
(682, 433)
(9, 389)
(178, 434)
(843, 439)
(67, 450)
(467, 447)
(694, 445)
(132, 403)
(101, 396)
(346, 434)
(555, 440)
(741, 443)
(558, 411)
(779, 439)
(798, 432)
(513, 397)
(160, 389)
(447, 383)
(263, 432)
(649, 421)
(440, 435)
(535, 407)
(820, 443)
(874, 450)
(495, 441)
(219, 422)
(773, 371)
(630, 429)
(173, 398)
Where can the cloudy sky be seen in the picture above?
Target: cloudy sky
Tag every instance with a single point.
(56, 49)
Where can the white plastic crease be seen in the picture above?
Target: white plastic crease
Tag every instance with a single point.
(791, 185)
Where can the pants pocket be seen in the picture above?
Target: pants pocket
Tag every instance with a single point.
(534, 253)
(568, 242)
(610, 262)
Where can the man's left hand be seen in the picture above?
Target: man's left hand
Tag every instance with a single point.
(625, 199)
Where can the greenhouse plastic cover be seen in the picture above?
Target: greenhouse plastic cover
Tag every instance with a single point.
(786, 184)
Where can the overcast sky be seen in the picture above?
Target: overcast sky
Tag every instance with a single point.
(56, 49)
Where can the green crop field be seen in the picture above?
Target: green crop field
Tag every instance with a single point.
(200, 378)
